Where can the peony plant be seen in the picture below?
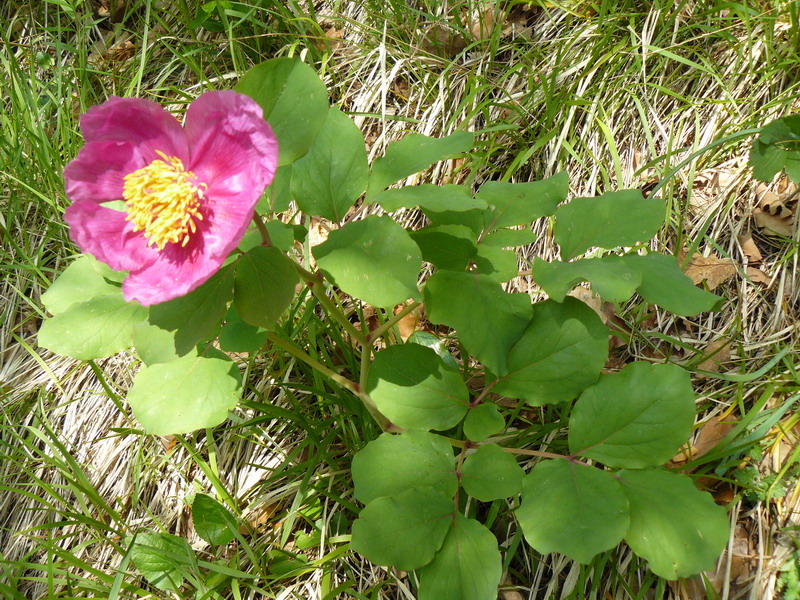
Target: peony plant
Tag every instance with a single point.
(186, 261)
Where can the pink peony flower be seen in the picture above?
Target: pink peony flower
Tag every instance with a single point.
(190, 190)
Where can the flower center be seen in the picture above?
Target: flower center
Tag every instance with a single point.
(163, 201)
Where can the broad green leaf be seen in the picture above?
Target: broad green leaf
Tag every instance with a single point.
(404, 531)
(436, 198)
(294, 100)
(264, 286)
(611, 277)
(189, 393)
(194, 316)
(520, 203)
(97, 328)
(571, 508)
(238, 336)
(423, 338)
(446, 246)
(636, 418)
(279, 192)
(212, 521)
(482, 421)
(328, 180)
(664, 284)
(412, 154)
(611, 220)
(467, 567)
(85, 278)
(675, 526)
(374, 260)
(413, 387)
(777, 148)
(393, 463)
(501, 265)
(509, 238)
(281, 235)
(468, 218)
(162, 559)
(561, 352)
(489, 320)
(153, 344)
(491, 474)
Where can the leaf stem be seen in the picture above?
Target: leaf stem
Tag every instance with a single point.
(534, 453)
(314, 281)
(338, 379)
(266, 241)
(379, 331)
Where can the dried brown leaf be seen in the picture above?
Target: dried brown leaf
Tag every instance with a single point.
(711, 269)
(749, 248)
(758, 276)
(409, 323)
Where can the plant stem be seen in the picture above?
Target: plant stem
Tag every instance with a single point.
(534, 453)
(266, 241)
(314, 282)
(340, 380)
(379, 331)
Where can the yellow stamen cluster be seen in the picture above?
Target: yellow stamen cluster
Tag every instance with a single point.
(163, 201)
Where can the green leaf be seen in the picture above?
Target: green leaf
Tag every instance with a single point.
(393, 463)
(664, 284)
(501, 265)
(611, 220)
(468, 218)
(520, 203)
(162, 559)
(468, 566)
(374, 260)
(279, 192)
(423, 338)
(561, 352)
(264, 286)
(777, 148)
(212, 521)
(509, 238)
(294, 100)
(85, 278)
(194, 316)
(447, 246)
(482, 421)
(413, 387)
(574, 509)
(491, 474)
(636, 418)
(412, 154)
(674, 525)
(436, 198)
(611, 277)
(153, 344)
(238, 336)
(328, 180)
(183, 395)
(405, 530)
(489, 320)
(281, 235)
(97, 328)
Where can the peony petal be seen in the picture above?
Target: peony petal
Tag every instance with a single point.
(105, 233)
(139, 122)
(235, 153)
(176, 271)
(226, 219)
(97, 172)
